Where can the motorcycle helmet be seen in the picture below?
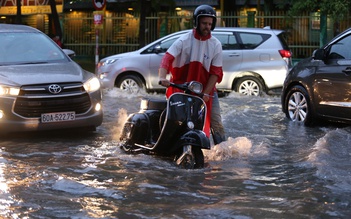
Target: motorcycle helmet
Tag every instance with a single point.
(205, 11)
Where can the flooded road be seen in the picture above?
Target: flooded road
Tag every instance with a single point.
(268, 168)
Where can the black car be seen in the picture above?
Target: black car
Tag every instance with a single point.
(319, 87)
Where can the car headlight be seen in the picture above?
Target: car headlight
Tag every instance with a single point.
(92, 84)
(106, 62)
(9, 91)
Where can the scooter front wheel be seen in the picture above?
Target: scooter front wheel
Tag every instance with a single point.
(187, 162)
(198, 157)
(191, 158)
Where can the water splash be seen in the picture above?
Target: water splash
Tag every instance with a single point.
(232, 148)
(239, 148)
(331, 156)
(121, 119)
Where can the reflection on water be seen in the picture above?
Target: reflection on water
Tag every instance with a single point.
(267, 168)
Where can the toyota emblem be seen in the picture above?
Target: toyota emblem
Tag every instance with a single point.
(55, 89)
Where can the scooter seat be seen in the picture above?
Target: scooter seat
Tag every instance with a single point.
(153, 104)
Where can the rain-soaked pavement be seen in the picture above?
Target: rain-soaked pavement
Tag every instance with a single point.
(267, 168)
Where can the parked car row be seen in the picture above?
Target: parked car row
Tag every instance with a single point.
(41, 88)
(255, 61)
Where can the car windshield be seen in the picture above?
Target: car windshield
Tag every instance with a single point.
(28, 48)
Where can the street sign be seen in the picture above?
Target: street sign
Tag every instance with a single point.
(98, 19)
(99, 4)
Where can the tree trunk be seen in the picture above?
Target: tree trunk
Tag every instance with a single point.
(19, 12)
(142, 25)
(144, 11)
(55, 19)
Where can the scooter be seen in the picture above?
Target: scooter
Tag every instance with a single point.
(170, 128)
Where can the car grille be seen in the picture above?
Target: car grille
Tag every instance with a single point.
(34, 100)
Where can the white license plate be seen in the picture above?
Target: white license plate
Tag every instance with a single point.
(58, 117)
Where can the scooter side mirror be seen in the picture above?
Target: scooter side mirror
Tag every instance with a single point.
(195, 87)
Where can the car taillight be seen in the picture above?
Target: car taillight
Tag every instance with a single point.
(285, 53)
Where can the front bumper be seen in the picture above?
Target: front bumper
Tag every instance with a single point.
(12, 122)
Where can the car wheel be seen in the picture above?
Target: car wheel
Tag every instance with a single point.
(250, 86)
(131, 84)
(297, 104)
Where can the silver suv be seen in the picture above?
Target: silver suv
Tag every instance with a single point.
(255, 60)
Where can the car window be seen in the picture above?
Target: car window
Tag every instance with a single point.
(28, 48)
(252, 40)
(283, 40)
(162, 46)
(166, 44)
(341, 49)
(227, 40)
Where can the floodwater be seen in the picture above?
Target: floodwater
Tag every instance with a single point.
(267, 168)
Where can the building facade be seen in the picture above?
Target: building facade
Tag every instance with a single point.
(126, 22)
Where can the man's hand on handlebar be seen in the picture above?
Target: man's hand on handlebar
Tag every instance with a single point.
(206, 97)
(163, 82)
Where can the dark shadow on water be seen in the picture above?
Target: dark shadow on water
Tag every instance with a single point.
(67, 135)
(329, 124)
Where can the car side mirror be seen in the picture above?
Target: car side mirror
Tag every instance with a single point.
(69, 52)
(157, 49)
(318, 54)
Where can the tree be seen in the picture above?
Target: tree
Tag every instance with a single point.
(337, 10)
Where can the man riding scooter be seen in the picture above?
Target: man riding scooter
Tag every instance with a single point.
(180, 127)
(197, 56)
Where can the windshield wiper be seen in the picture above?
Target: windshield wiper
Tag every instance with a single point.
(33, 62)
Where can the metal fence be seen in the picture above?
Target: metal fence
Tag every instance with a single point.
(120, 30)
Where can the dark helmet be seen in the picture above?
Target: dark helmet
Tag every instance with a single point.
(205, 11)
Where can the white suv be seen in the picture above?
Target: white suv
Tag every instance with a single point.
(255, 60)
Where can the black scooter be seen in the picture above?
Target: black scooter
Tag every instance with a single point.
(170, 128)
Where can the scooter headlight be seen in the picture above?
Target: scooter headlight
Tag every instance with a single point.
(195, 87)
(190, 125)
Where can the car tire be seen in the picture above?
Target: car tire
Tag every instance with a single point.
(250, 86)
(297, 105)
(130, 83)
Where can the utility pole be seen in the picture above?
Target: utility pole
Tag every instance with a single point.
(19, 12)
(222, 12)
(55, 18)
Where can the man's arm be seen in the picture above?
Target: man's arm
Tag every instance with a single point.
(162, 74)
(209, 87)
(163, 70)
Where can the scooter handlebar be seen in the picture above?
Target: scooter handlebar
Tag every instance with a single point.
(180, 86)
(185, 88)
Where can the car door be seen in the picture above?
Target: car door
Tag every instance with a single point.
(232, 57)
(332, 81)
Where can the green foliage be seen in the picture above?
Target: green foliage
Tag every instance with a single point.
(336, 9)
